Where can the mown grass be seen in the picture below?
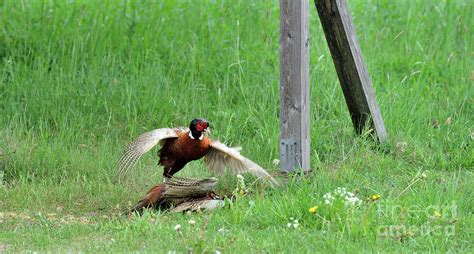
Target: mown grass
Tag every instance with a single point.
(81, 79)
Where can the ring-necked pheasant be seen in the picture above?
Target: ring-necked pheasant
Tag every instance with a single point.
(182, 145)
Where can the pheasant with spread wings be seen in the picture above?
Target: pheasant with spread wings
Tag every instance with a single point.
(182, 145)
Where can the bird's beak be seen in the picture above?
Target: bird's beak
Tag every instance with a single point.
(207, 130)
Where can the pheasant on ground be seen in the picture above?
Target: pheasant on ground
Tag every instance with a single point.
(182, 145)
(179, 195)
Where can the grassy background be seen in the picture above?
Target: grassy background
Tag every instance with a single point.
(81, 79)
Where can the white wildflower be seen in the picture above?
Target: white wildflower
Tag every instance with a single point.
(177, 227)
(192, 222)
(276, 162)
(341, 193)
(351, 201)
(240, 177)
(222, 231)
(328, 196)
(293, 223)
(424, 174)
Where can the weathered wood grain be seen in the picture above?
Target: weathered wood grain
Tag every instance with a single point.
(294, 85)
(350, 66)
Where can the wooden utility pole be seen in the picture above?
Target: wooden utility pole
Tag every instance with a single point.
(350, 66)
(294, 85)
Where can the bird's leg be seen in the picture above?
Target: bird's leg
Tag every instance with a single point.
(171, 169)
(167, 171)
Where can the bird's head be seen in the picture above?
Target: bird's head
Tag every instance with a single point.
(197, 127)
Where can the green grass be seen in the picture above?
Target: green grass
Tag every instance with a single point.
(80, 80)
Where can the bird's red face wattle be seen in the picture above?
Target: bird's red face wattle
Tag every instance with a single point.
(201, 126)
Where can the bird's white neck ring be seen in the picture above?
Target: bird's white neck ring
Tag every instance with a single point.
(192, 137)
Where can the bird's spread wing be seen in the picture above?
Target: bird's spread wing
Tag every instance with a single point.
(221, 157)
(141, 145)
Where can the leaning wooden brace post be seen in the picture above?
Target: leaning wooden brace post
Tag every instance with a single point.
(350, 66)
(294, 85)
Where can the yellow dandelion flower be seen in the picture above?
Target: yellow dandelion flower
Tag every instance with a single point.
(437, 214)
(375, 197)
(313, 209)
